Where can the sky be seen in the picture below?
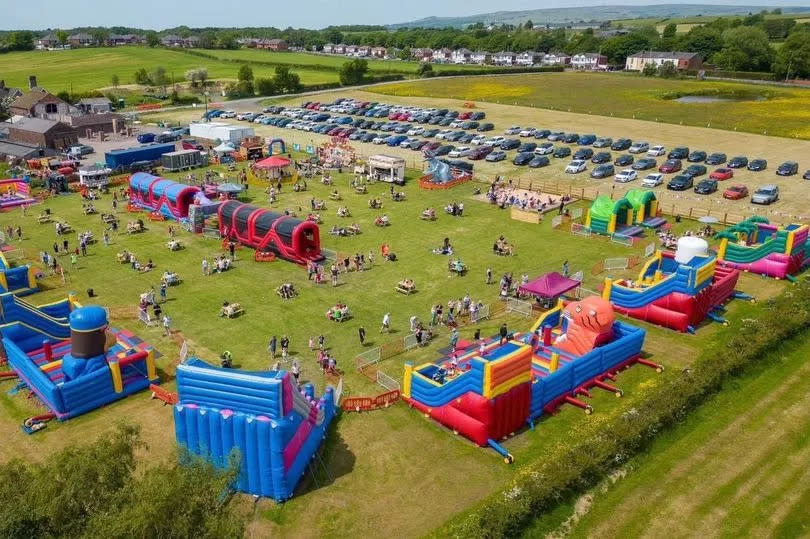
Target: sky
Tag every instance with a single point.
(159, 14)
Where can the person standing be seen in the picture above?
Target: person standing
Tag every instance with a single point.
(163, 290)
(83, 245)
(19, 233)
(362, 334)
(562, 206)
(503, 333)
(271, 347)
(232, 249)
(386, 323)
(433, 312)
(167, 325)
(285, 347)
(205, 266)
(453, 339)
(106, 238)
(296, 371)
(489, 275)
(565, 269)
(334, 275)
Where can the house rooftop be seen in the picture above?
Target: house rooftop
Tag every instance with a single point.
(34, 125)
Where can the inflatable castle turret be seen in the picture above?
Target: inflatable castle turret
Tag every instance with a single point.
(90, 340)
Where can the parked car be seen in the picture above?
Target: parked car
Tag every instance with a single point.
(522, 159)
(657, 151)
(443, 134)
(583, 153)
(626, 175)
(418, 130)
(706, 187)
(736, 192)
(407, 142)
(576, 166)
(539, 161)
(788, 168)
(527, 147)
(145, 138)
(555, 136)
(562, 151)
(681, 182)
(478, 115)
(444, 150)
(767, 194)
(670, 166)
(738, 162)
(357, 135)
(432, 146)
(571, 138)
(722, 174)
(806, 175)
(587, 140)
(455, 136)
(510, 144)
(604, 170)
(496, 155)
(485, 127)
(716, 158)
(758, 165)
(653, 179)
(601, 157)
(368, 137)
(478, 140)
(679, 152)
(695, 170)
(480, 152)
(164, 138)
(544, 149)
(461, 151)
(624, 160)
(603, 142)
(514, 130)
(191, 144)
(698, 156)
(380, 139)
(418, 144)
(542, 133)
(494, 141)
(467, 138)
(528, 132)
(645, 163)
(621, 144)
(639, 147)
(80, 150)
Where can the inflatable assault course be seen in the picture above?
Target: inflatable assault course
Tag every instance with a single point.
(495, 393)
(70, 358)
(757, 246)
(628, 216)
(676, 290)
(20, 280)
(275, 427)
(167, 197)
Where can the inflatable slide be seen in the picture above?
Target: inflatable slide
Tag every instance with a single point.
(757, 246)
(19, 280)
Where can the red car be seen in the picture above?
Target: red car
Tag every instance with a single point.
(464, 115)
(670, 166)
(393, 116)
(736, 192)
(722, 174)
(190, 144)
(403, 117)
(480, 153)
(432, 146)
(314, 106)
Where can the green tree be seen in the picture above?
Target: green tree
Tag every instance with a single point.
(20, 41)
(286, 81)
(245, 73)
(62, 36)
(4, 112)
(208, 40)
(100, 35)
(405, 54)
(353, 72)
(265, 86)
(529, 25)
(745, 48)
(793, 57)
(778, 28)
(649, 70)
(425, 70)
(152, 39)
(159, 77)
(667, 70)
(670, 30)
(142, 77)
(115, 81)
(703, 40)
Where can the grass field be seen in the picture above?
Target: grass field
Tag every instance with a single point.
(375, 463)
(777, 111)
(697, 20)
(737, 467)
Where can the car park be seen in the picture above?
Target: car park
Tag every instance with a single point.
(722, 174)
(670, 166)
(466, 138)
(681, 182)
(571, 138)
(480, 152)
(576, 166)
(495, 141)
(738, 162)
(757, 165)
(418, 144)
(510, 144)
(706, 187)
(527, 147)
(496, 155)
(522, 159)
(621, 144)
(626, 175)
(445, 149)
(639, 147)
(716, 158)
(544, 149)
(698, 156)
(603, 142)
(624, 160)
(645, 163)
(583, 153)
(587, 140)
(605, 170)
(556, 136)
(679, 152)
(736, 192)
(539, 161)
(542, 133)
(788, 168)
(514, 130)
(418, 130)
(653, 179)
(695, 170)
(461, 151)
(562, 151)
(767, 194)
(528, 132)
(455, 136)
(443, 134)
(657, 151)
(601, 157)
(485, 127)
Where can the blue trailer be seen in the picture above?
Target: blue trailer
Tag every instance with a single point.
(123, 158)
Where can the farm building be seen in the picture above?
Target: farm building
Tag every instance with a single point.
(45, 133)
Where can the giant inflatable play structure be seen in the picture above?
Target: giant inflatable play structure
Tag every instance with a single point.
(492, 395)
(757, 246)
(290, 238)
(15, 192)
(275, 426)
(70, 358)
(676, 290)
(443, 173)
(627, 216)
(156, 194)
(20, 280)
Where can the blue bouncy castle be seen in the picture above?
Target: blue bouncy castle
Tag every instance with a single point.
(276, 427)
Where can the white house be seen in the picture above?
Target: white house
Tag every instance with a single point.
(442, 55)
(350, 49)
(461, 56)
(589, 61)
(504, 58)
(363, 50)
(329, 48)
(422, 54)
(528, 58)
(681, 60)
(556, 59)
(481, 57)
(379, 52)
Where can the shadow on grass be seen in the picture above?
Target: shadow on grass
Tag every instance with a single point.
(332, 461)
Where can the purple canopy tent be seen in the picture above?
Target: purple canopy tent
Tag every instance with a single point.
(549, 286)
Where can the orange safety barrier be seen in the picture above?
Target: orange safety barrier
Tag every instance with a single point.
(132, 208)
(149, 106)
(364, 404)
(425, 183)
(159, 393)
(156, 216)
(264, 257)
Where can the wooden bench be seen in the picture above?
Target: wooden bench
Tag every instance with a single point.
(232, 311)
(407, 290)
(533, 217)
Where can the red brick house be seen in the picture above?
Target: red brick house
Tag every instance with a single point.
(44, 133)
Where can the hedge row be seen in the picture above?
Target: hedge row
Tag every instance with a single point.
(744, 75)
(570, 469)
(497, 71)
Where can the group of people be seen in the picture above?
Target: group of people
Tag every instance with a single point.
(286, 291)
(382, 220)
(506, 194)
(12, 232)
(62, 228)
(315, 204)
(338, 313)
(445, 249)
(456, 209)
(455, 309)
(220, 264)
(343, 211)
(375, 204)
(429, 214)
(502, 247)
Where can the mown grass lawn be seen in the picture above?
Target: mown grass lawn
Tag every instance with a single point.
(374, 464)
(775, 111)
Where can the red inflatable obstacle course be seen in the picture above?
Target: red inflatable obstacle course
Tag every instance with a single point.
(266, 231)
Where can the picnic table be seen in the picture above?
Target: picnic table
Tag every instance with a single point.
(231, 310)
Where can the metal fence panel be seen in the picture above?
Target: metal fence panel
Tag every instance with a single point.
(519, 306)
(616, 263)
(367, 358)
(580, 230)
(649, 250)
(621, 239)
(386, 381)
(480, 314)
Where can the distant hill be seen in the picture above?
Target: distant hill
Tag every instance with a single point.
(572, 15)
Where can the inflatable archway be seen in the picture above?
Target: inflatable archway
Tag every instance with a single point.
(606, 214)
(280, 143)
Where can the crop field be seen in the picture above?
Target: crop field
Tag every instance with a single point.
(377, 462)
(751, 108)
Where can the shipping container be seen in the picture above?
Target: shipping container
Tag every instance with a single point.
(184, 159)
(124, 157)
